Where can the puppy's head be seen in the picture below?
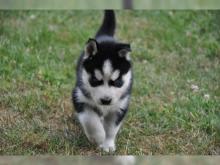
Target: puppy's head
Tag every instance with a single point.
(106, 71)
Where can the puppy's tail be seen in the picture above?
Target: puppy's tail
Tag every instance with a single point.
(108, 24)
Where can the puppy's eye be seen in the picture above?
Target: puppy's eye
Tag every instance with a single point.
(117, 83)
(94, 82)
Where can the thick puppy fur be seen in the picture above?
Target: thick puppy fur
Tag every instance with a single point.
(103, 87)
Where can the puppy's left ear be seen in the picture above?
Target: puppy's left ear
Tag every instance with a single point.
(91, 47)
(124, 50)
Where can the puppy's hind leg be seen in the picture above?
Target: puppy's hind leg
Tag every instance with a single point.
(92, 126)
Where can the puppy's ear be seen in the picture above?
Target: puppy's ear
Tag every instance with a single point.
(124, 50)
(91, 47)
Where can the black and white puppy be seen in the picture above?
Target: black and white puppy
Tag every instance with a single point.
(103, 87)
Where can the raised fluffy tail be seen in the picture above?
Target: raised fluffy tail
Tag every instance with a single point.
(108, 24)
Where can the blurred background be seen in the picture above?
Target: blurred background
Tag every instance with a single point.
(79, 160)
(104, 4)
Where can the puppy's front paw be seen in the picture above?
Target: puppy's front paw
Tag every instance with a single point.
(108, 146)
(97, 138)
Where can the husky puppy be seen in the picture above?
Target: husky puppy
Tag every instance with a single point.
(103, 87)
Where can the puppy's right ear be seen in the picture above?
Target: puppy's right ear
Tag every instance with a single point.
(91, 48)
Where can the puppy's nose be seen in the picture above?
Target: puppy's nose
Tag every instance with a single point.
(106, 100)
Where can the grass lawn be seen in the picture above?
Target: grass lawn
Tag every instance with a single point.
(175, 106)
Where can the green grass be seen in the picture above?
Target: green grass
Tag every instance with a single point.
(172, 52)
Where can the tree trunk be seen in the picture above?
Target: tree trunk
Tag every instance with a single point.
(127, 4)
